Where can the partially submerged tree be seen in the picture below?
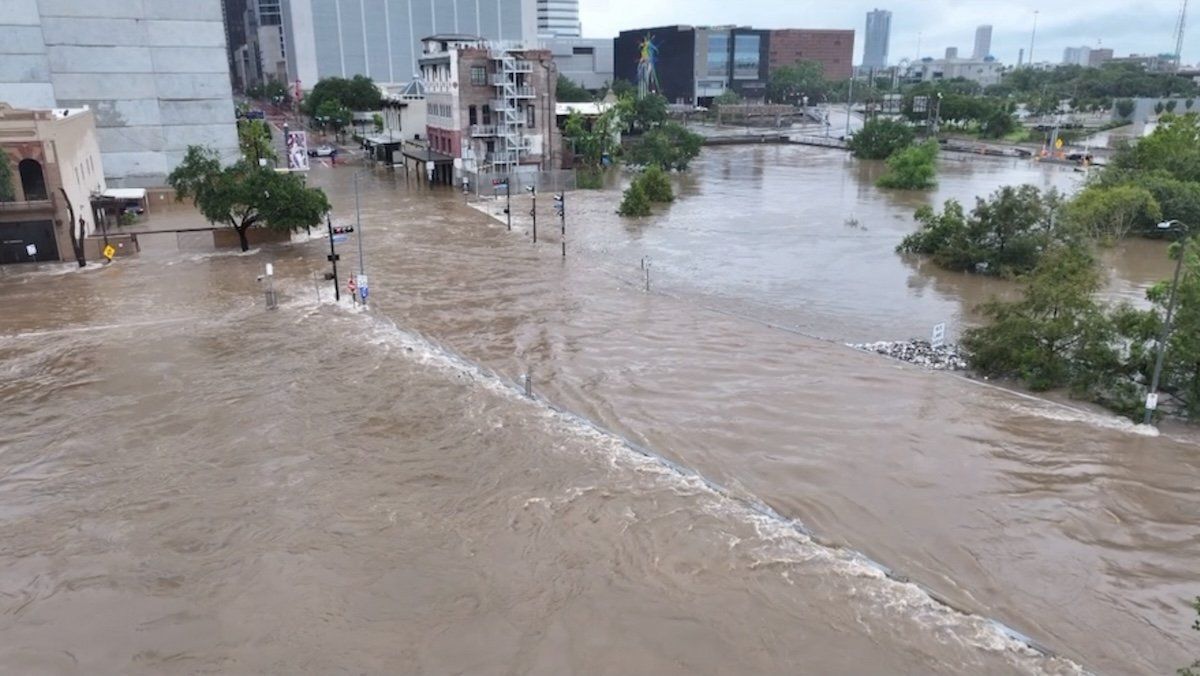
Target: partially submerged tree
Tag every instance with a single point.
(244, 195)
(634, 201)
(669, 146)
(77, 231)
(880, 138)
(1110, 213)
(912, 168)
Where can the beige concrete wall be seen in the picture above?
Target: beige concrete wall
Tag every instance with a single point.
(75, 153)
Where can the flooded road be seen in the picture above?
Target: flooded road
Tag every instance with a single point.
(315, 490)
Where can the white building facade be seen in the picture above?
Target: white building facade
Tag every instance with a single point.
(381, 39)
(155, 75)
(559, 18)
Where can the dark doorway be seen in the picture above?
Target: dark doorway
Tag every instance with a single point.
(16, 238)
(33, 182)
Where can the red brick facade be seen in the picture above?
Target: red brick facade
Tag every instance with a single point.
(834, 49)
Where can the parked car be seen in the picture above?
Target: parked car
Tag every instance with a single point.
(321, 151)
(133, 207)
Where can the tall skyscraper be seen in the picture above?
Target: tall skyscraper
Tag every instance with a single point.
(983, 42)
(382, 38)
(155, 74)
(879, 31)
(559, 18)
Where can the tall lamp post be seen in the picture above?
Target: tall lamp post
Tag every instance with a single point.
(1152, 395)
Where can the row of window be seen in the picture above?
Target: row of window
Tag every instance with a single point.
(474, 118)
(440, 110)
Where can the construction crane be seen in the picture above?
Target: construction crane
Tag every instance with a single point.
(1180, 26)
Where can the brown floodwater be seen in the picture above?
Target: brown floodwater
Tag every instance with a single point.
(194, 484)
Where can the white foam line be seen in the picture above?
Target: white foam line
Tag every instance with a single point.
(439, 355)
(97, 327)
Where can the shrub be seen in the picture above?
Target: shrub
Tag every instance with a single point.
(634, 202)
(912, 168)
(880, 138)
(657, 185)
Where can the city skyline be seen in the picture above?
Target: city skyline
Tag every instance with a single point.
(1142, 28)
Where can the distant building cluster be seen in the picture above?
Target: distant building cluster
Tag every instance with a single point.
(1086, 56)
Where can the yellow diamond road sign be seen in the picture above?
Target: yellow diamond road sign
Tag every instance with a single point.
(109, 252)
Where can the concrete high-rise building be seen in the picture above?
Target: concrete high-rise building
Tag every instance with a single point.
(878, 34)
(1076, 56)
(983, 42)
(382, 38)
(155, 74)
(951, 53)
(559, 18)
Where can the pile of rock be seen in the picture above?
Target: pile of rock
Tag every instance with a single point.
(919, 352)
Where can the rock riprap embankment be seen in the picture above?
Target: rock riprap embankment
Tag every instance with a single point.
(919, 352)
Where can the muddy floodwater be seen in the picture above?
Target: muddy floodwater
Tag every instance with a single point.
(706, 480)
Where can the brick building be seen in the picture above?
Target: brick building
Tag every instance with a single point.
(489, 106)
(833, 49)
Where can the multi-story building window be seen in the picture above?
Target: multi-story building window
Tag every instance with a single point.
(471, 115)
(746, 57)
(478, 76)
(718, 54)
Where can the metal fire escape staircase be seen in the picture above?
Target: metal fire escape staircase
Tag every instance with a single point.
(510, 120)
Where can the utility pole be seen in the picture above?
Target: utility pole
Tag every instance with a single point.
(508, 204)
(533, 211)
(560, 205)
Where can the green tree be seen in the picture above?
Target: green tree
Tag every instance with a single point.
(275, 91)
(333, 115)
(997, 122)
(7, 192)
(570, 92)
(649, 112)
(912, 168)
(1159, 108)
(377, 122)
(1173, 146)
(1110, 213)
(1125, 108)
(789, 83)
(254, 139)
(657, 184)
(356, 93)
(880, 138)
(1172, 105)
(669, 146)
(1055, 335)
(244, 195)
(1187, 105)
(634, 202)
(1004, 235)
(620, 87)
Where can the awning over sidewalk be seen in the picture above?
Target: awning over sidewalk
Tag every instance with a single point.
(125, 193)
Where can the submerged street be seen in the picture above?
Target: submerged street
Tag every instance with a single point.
(192, 483)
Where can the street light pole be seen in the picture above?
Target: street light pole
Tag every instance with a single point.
(1152, 395)
(358, 228)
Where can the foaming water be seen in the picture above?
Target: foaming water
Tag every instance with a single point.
(325, 487)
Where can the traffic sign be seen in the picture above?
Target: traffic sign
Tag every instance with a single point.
(109, 252)
(362, 286)
(1151, 401)
(350, 284)
(938, 338)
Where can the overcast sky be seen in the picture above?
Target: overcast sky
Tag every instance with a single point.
(1126, 26)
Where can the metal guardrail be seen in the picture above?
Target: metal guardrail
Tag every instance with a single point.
(27, 205)
(478, 130)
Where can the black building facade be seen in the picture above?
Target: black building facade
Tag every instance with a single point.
(695, 64)
(674, 63)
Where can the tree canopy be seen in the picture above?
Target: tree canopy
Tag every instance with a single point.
(356, 93)
(244, 195)
(1107, 82)
(804, 78)
(912, 168)
(668, 146)
(570, 92)
(254, 139)
(880, 137)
